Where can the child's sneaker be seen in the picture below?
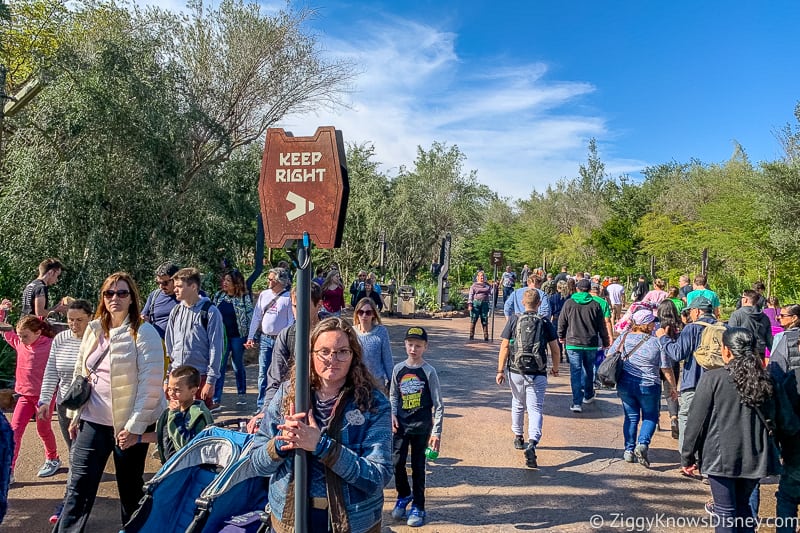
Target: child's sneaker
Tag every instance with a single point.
(399, 511)
(50, 467)
(416, 517)
(56, 514)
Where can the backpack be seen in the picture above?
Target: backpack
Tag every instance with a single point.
(528, 351)
(709, 353)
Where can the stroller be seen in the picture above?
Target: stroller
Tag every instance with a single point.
(205, 483)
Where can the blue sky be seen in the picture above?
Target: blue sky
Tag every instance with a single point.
(520, 87)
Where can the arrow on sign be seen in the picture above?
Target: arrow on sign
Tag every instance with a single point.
(300, 208)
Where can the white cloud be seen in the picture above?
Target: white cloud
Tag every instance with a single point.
(518, 129)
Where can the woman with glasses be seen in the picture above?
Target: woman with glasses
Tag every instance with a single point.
(236, 306)
(347, 433)
(374, 339)
(785, 353)
(124, 359)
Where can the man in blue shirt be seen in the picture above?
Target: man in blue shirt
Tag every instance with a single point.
(160, 302)
(513, 305)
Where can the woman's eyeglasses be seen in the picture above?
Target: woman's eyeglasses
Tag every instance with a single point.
(121, 294)
(342, 355)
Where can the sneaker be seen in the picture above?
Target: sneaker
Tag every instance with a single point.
(629, 457)
(709, 507)
(519, 442)
(675, 428)
(399, 511)
(56, 514)
(215, 407)
(530, 455)
(242, 400)
(416, 517)
(576, 409)
(587, 401)
(641, 455)
(50, 467)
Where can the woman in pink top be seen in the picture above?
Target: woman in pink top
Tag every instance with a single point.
(657, 295)
(31, 341)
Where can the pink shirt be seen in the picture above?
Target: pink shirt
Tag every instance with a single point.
(98, 408)
(31, 362)
(656, 296)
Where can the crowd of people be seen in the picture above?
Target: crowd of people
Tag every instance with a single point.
(731, 387)
(156, 368)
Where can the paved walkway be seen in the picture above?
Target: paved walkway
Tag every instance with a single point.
(479, 483)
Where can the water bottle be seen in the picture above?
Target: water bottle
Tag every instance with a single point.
(431, 453)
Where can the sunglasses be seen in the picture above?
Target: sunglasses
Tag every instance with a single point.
(365, 312)
(121, 294)
(164, 283)
(785, 315)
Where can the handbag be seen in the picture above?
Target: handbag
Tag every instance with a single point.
(610, 370)
(81, 387)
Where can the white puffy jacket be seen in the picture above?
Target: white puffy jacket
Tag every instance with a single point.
(137, 374)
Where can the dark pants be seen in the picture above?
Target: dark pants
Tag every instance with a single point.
(63, 424)
(90, 451)
(732, 504)
(788, 498)
(418, 444)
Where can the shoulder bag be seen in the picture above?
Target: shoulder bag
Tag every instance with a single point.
(81, 387)
(610, 370)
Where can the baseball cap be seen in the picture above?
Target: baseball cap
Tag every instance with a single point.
(417, 332)
(642, 317)
(702, 303)
(583, 285)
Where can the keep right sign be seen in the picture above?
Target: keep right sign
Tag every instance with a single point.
(303, 187)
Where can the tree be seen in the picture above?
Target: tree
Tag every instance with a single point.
(433, 199)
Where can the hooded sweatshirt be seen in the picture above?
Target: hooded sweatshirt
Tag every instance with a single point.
(189, 343)
(581, 322)
(753, 319)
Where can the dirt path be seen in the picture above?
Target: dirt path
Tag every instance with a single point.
(479, 483)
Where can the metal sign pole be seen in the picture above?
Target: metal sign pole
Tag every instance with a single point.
(302, 399)
(496, 297)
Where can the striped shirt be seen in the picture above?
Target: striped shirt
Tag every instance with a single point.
(60, 366)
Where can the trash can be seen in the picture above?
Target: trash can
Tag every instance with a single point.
(406, 302)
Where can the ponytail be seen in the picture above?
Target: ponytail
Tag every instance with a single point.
(752, 381)
(37, 325)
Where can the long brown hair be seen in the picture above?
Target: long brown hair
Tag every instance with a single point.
(134, 307)
(36, 325)
(359, 381)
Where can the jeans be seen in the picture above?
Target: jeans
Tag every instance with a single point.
(63, 424)
(684, 402)
(581, 374)
(788, 498)
(507, 292)
(264, 360)
(731, 503)
(236, 348)
(527, 392)
(400, 444)
(639, 402)
(90, 451)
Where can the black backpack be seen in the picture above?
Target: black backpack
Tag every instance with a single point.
(528, 353)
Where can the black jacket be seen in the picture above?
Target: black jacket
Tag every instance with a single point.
(581, 322)
(752, 319)
(729, 436)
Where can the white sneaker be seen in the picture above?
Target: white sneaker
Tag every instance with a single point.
(589, 400)
(576, 409)
(50, 467)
